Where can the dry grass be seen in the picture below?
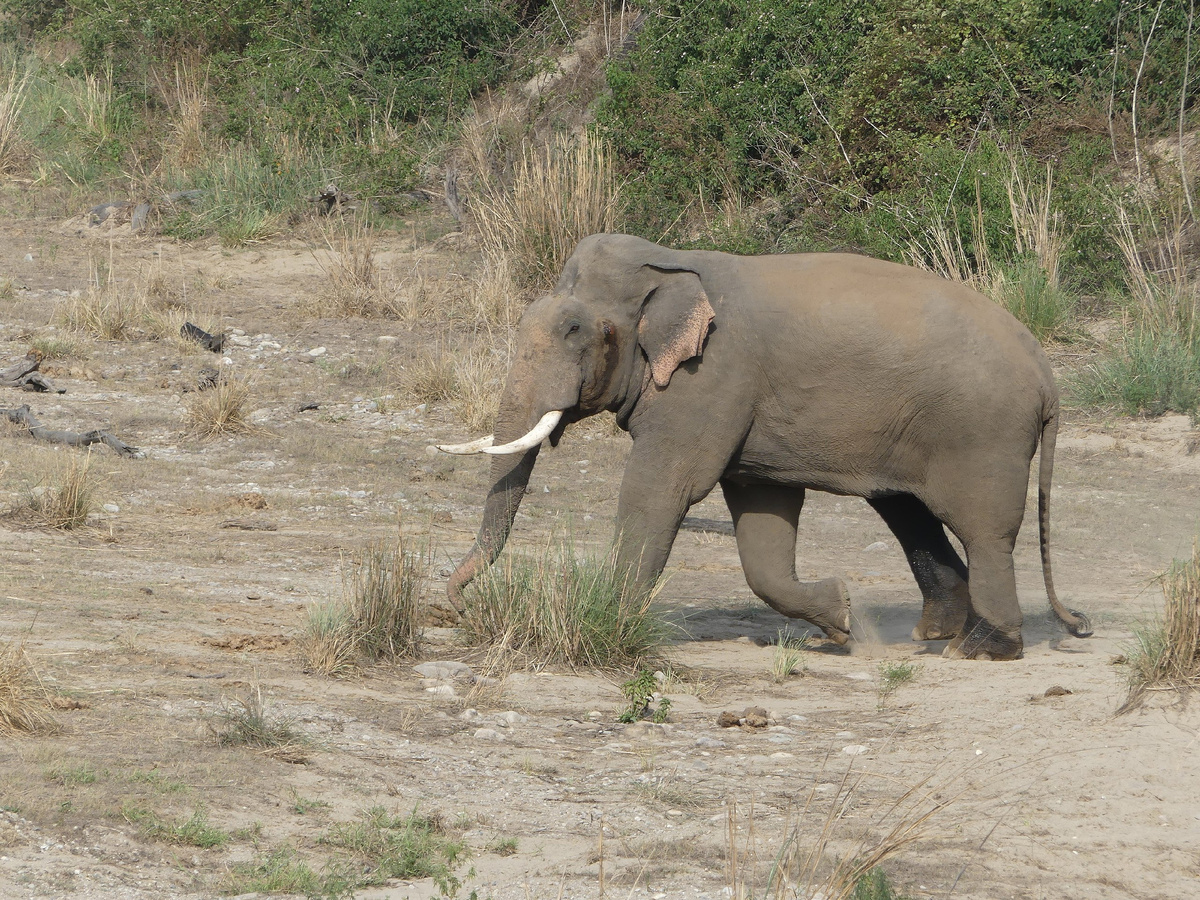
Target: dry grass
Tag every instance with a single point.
(1167, 654)
(186, 96)
(107, 309)
(556, 196)
(1153, 234)
(12, 101)
(69, 499)
(377, 618)
(23, 700)
(223, 409)
(356, 286)
(246, 722)
(468, 381)
(828, 863)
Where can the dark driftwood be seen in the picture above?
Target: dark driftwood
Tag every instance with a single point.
(213, 342)
(25, 375)
(22, 416)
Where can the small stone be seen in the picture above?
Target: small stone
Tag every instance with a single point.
(855, 749)
(316, 351)
(1057, 691)
(595, 714)
(386, 339)
(28, 257)
(441, 690)
(469, 715)
(705, 741)
(782, 754)
(510, 718)
(875, 547)
(254, 596)
(489, 734)
(114, 509)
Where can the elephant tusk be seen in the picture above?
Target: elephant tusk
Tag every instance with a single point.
(538, 434)
(473, 447)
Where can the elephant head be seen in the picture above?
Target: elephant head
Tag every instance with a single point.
(624, 315)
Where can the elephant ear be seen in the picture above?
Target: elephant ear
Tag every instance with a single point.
(674, 324)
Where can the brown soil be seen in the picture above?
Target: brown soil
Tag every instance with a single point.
(161, 614)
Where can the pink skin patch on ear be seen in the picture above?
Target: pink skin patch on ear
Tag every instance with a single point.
(687, 342)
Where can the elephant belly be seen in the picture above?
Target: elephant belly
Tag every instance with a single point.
(858, 469)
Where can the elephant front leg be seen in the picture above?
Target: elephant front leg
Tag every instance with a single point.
(764, 521)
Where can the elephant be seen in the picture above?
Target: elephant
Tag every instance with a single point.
(775, 375)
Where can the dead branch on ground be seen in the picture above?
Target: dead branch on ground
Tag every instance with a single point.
(23, 417)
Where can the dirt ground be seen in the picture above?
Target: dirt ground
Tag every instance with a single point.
(178, 600)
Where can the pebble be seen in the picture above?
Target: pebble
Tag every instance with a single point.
(469, 715)
(854, 750)
(875, 547)
(510, 718)
(112, 508)
(489, 734)
(317, 351)
(706, 741)
(441, 690)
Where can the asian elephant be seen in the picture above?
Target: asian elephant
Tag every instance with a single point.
(774, 375)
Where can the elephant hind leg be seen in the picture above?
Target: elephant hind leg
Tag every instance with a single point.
(938, 569)
(764, 521)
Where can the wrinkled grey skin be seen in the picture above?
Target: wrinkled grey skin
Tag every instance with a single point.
(774, 375)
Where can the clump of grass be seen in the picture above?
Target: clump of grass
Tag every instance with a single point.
(12, 101)
(107, 309)
(893, 676)
(1144, 373)
(1036, 299)
(469, 382)
(556, 196)
(1166, 654)
(246, 722)
(192, 832)
(1154, 366)
(24, 702)
(329, 645)
(283, 872)
(399, 846)
(57, 346)
(377, 617)
(222, 409)
(356, 286)
(787, 657)
(557, 607)
(69, 499)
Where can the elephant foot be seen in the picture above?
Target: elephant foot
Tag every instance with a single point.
(940, 621)
(831, 597)
(985, 641)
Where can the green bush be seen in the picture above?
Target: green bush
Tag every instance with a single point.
(864, 121)
(1147, 373)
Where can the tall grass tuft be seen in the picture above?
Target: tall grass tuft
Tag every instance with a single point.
(246, 722)
(556, 196)
(222, 409)
(355, 283)
(1166, 654)
(12, 101)
(69, 499)
(1154, 365)
(108, 309)
(384, 592)
(378, 616)
(24, 703)
(557, 607)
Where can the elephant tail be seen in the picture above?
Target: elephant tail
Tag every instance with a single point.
(1077, 623)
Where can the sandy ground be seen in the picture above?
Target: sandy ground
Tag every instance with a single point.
(159, 615)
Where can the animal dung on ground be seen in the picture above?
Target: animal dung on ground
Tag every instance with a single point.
(752, 718)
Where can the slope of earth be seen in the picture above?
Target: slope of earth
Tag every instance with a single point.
(180, 600)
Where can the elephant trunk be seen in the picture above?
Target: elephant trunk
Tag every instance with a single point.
(519, 420)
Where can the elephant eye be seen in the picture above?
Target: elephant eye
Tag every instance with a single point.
(574, 328)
